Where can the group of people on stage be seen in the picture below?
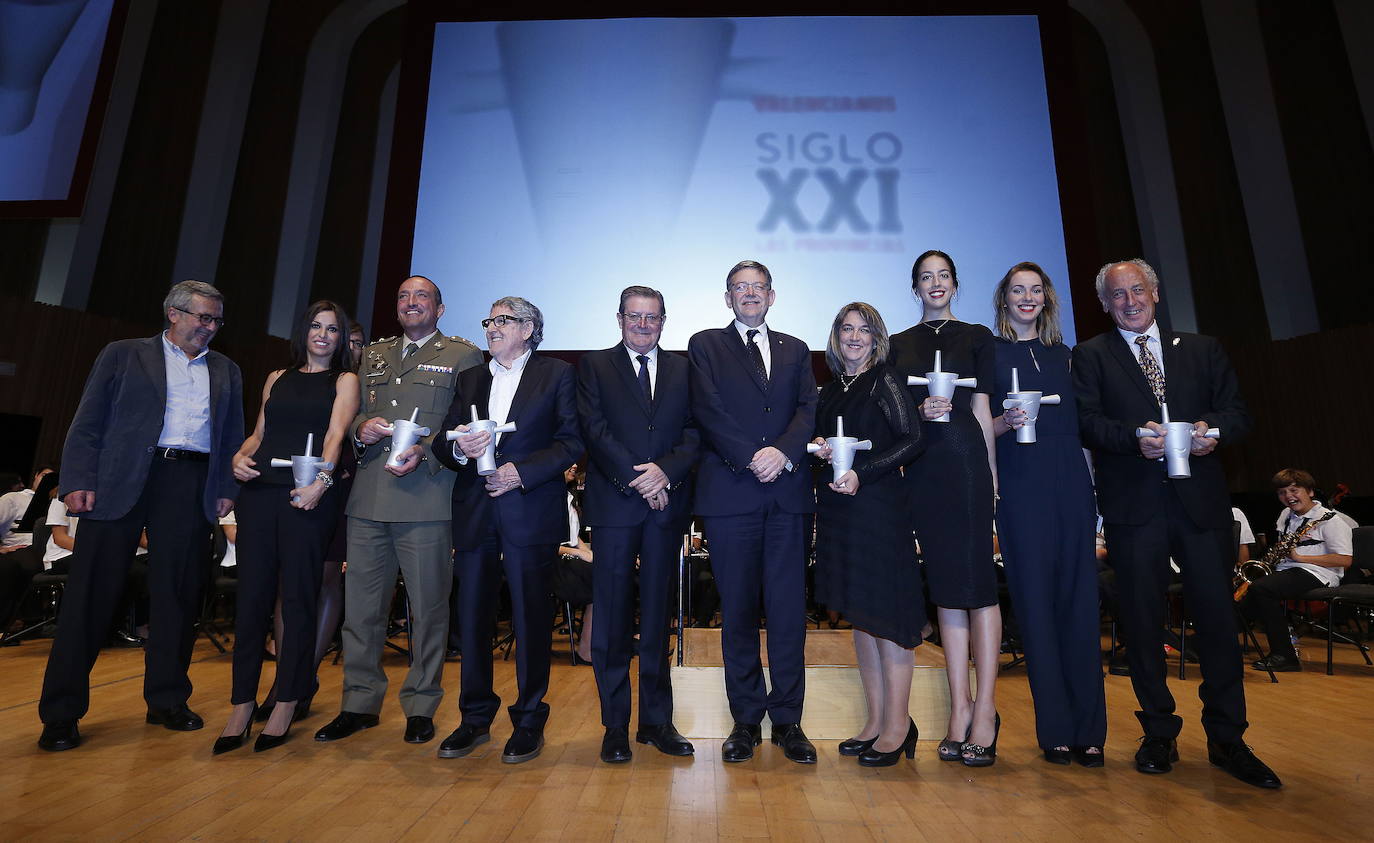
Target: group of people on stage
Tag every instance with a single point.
(722, 433)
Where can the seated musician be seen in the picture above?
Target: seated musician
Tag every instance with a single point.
(1312, 550)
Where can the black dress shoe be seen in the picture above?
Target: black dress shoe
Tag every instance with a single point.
(59, 736)
(266, 741)
(1059, 756)
(1118, 666)
(854, 746)
(464, 740)
(453, 654)
(419, 729)
(1240, 761)
(346, 724)
(1089, 759)
(976, 755)
(794, 744)
(874, 757)
(665, 738)
(178, 719)
(1156, 755)
(739, 746)
(615, 745)
(264, 712)
(228, 743)
(1279, 663)
(524, 744)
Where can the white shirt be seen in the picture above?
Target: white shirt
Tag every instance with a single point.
(186, 417)
(1247, 535)
(652, 354)
(574, 525)
(1331, 536)
(504, 383)
(58, 517)
(761, 340)
(230, 554)
(1155, 345)
(13, 505)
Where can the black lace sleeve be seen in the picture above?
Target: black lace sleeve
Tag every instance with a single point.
(894, 399)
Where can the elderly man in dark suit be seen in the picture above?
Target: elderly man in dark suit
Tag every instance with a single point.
(754, 398)
(149, 448)
(1122, 378)
(511, 521)
(632, 400)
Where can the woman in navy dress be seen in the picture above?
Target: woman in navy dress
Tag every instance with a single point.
(1045, 524)
(951, 490)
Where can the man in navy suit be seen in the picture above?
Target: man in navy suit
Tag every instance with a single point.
(511, 521)
(1122, 377)
(754, 398)
(632, 400)
(149, 448)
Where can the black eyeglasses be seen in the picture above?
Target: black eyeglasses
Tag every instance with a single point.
(205, 319)
(501, 321)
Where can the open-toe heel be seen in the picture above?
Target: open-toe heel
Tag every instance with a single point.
(974, 755)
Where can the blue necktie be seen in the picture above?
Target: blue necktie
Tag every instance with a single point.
(644, 377)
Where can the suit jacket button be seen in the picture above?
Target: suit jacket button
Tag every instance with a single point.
(768, 409)
(651, 427)
(386, 447)
(151, 449)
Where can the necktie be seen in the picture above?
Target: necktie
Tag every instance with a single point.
(1150, 366)
(754, 353)
(644, 377)
(410, 349)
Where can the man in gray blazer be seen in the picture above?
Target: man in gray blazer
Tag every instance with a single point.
(399, 518)
(149, 448)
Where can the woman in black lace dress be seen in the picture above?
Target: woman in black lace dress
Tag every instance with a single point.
(865, 558)
(951, 492)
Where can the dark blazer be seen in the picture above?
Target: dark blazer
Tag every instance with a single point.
(738, 414)
(109, 447)
(544, 444)
(623, 429)
(1114, 399)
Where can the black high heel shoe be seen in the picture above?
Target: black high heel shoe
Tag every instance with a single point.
(872, 757)
(953, 750)
(232, 742)
(974, 755)
(266, 741)
(854, 746)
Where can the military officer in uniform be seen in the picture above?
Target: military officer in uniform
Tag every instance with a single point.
(399, 517)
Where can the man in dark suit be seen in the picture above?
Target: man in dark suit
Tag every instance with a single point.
(149, 448)
(754, 398)
(632, 400)
(511, 521)
(1122, 377)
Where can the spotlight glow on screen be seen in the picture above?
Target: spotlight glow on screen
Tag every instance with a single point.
(565, 160)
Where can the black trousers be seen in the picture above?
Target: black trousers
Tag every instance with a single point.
(1140, 554)
(1263, 602)
(179, 547)
(613, 594)
(528, 570)
(279, 547)
(759, 561)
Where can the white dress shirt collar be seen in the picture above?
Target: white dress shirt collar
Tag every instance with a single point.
(652, 354)
(761, 340)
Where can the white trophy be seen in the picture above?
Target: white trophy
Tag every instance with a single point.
(842, 449)
(1030, 401)
(305, 466)
(404, 433)
(486, 463)
(1178, 442)
(941, 384)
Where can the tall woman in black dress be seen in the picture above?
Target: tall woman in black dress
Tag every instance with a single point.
(1045, 524)
(951, 492)
(865, 560)
(284, 531)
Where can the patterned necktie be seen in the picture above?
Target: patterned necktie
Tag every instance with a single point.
(644, 376)
(410, 349)
(754, 353)
(1150, 366)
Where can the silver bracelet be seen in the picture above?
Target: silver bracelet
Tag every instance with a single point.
(326, 478)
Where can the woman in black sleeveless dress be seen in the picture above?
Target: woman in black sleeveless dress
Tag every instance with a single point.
(865, 559)
(284, 531)
(951, 489)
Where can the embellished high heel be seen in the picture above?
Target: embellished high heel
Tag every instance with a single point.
(233, 742)
(974, 755)
(872, 757)
(854, 746)
(953, 750)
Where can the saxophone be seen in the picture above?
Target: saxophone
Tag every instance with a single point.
(1249, 572)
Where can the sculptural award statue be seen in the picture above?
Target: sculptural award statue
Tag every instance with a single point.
(486, 463)
(1030, 401)
(941, 384)
(1178, 443)
(404, 433)
(842, 449)
(304, 467)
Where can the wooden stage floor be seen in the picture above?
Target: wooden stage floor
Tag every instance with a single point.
(131, 781)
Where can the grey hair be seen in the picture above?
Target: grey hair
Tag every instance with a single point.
(1145, 268)
(525, 311)
(748, 264)
(642, 292)
(179, 296)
